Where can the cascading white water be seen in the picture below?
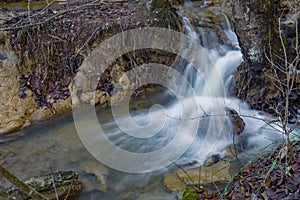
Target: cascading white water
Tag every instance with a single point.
(197, 116)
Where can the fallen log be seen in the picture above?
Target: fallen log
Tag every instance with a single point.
(59, 185)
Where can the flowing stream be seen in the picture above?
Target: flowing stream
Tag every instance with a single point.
(197, 111)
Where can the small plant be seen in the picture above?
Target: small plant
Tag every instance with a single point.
(190, 194)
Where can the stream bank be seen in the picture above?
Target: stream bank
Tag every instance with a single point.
(42, 52)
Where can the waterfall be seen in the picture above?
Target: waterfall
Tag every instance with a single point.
(207, 73)
(211, 73)
(191, 127)
(210, 68)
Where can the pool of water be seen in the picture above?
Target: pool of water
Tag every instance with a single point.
(54, 145)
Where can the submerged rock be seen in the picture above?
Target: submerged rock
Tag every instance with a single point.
(100, 173)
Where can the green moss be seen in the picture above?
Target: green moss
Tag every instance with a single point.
(190, 194)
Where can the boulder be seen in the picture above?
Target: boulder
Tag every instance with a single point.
(99, 172)
(238, 123)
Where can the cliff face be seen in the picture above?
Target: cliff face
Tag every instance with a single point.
(257, 81)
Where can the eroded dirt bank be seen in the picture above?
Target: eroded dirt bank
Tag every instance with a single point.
(42, 51)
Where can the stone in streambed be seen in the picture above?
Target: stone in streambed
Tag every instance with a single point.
(178, 180)
(212, 160)
(237, 122)
(100, 173)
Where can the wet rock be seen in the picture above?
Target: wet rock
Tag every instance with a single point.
(237, 122)
(178, 180)
(59, 107)
(211, 19)
(231, 152)
(212, 160)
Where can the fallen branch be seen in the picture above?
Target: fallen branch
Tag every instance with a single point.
(22, 186)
